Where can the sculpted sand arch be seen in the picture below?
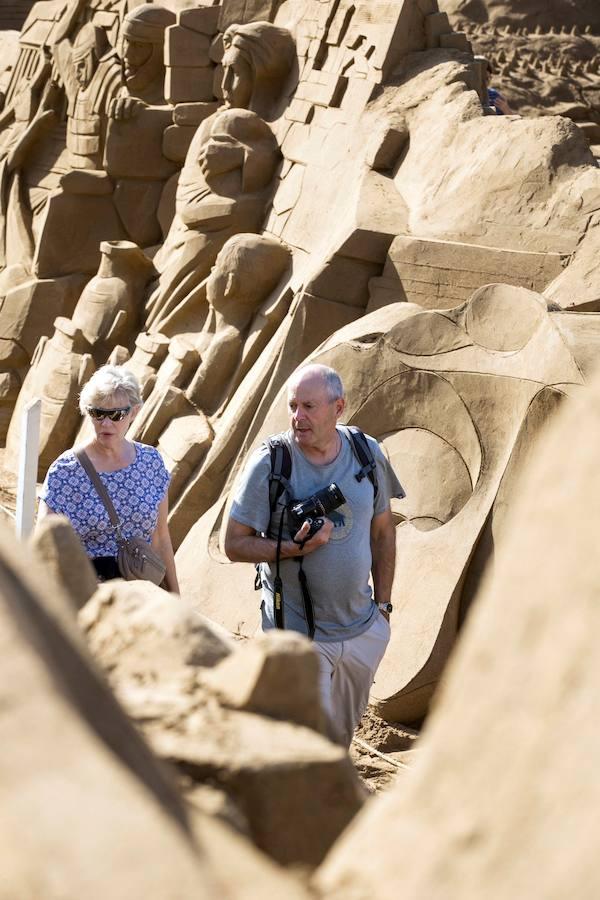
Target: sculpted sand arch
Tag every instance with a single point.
(439, 454)
(435, 476)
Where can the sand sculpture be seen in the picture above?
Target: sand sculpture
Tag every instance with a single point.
(530, 657)
(544, 57)
(216, 194)
(409, 237)
(125, 829)
(203, 369)
(229, 167)
(473, 824)
(454, 395)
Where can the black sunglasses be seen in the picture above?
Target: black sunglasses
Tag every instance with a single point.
(115, 415)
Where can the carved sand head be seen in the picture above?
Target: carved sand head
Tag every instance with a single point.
(142, 50)
(247, 269)
(257, 61)
(90, 44)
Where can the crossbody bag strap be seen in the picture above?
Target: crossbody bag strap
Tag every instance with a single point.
(87, 465)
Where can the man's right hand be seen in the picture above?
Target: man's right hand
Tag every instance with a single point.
(243, 544)
(319, 538)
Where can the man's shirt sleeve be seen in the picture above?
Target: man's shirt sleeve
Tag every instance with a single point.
(388, 483)
(251, 499)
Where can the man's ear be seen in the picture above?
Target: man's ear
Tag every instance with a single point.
(340, 405)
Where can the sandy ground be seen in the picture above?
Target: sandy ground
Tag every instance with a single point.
(382, 752)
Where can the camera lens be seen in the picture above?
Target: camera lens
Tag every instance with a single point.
(335, 497)
(319, 504)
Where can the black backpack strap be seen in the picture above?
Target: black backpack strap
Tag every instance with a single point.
(364, 454)
(279, 477)
(281, 468)
(279, 480)
(278, 583)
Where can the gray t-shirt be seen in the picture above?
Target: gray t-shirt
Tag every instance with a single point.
(337, 573)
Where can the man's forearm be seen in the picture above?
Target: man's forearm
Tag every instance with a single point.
(242, 544)
(255, 549)
(383, 551)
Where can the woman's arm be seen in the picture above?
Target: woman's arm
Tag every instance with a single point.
(161, 543)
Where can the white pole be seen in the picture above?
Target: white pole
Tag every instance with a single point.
(28, 466)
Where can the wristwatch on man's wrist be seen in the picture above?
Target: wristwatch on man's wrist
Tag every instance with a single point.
(385, 607)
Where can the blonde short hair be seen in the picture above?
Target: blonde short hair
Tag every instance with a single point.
(107, 381)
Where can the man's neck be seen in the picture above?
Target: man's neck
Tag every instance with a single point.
(322, 455)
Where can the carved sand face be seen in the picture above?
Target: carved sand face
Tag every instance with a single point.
(84, 70)
(135, 55)
(218, 286)
(238, 81)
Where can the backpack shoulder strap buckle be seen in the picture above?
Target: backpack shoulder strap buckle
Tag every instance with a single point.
(364, 455)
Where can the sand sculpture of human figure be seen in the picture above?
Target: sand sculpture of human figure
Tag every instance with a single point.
(29, 118)
(98, 74)
(25, 105)
(246, 271)
(142, 55)
(90, 83)
(83, 66)
(229, 166)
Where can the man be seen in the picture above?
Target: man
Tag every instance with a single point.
(351, 625)
(492, 99)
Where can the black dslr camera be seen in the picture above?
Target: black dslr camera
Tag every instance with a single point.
(313, 508)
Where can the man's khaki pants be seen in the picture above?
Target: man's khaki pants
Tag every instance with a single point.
(347, 671)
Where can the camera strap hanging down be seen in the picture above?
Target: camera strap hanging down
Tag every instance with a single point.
(281, 470)
(278, 588)
(279, 480)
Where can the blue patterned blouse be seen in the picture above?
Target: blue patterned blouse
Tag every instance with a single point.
(136, 492)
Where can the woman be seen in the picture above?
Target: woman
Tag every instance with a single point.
(133, 473)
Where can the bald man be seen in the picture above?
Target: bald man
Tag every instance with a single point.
(351, 621)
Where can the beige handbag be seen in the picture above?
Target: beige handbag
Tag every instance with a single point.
(135, 557)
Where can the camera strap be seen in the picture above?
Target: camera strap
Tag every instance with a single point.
(279, 479)
(306, 599)
(278, 588)
(277, 582)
